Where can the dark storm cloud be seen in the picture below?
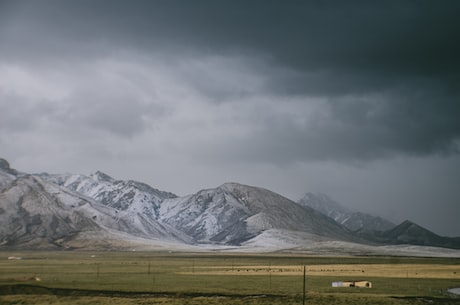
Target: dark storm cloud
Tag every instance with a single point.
(387, 72)
(394, 37)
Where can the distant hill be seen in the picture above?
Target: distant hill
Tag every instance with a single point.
(352, 220)
(377, 229)
(411, 233)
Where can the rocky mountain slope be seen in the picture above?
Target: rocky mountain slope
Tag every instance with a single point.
(98, 212)
(233, 213)
(36, 213)
(31, 216)
(352, 220)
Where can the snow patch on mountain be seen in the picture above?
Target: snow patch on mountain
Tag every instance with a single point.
(273, 240)
(132, 196)
(205, 214)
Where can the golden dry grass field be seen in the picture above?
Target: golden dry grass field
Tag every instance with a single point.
(433, 271)
(216, 278)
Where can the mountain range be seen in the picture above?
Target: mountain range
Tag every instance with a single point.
(69, 211)
(353, 220)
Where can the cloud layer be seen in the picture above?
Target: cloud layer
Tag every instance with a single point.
(228, 88)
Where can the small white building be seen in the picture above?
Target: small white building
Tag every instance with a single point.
(14, 257)
(357, 283)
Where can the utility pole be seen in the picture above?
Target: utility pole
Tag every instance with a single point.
(304, 284)
(270, 274)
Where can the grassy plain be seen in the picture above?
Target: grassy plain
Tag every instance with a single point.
(196, 278)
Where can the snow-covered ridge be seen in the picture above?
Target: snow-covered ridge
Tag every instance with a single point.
(99, 212)
(132, 196)
(229, 214)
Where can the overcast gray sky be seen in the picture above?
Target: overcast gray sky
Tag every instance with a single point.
(356, 99)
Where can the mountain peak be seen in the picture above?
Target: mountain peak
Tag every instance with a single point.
(323, 203)
(409, 232)
(4, 164)
(230, 186)
(409, 228)
(101, 177)
(354, 221)
(407, 224)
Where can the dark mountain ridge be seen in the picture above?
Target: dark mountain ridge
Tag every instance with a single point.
(376, 229)
(411, 233)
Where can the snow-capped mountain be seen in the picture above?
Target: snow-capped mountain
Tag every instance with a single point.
(229, 214)
(352, 220)
(98, 212)
(233, 213)
(67, 206)
(130, 196)
(35, 212)
(38, 214)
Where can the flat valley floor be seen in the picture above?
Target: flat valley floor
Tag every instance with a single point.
(84, 277)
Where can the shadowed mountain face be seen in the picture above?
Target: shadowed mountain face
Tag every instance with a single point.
(354, 221)
(98, 212)
(410, 233)
(7, 174)
(376, 229)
